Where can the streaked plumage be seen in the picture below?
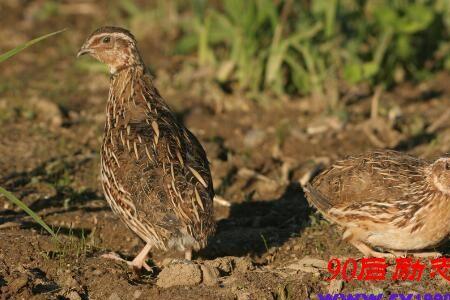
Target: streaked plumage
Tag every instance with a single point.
(386, 199)
(155, 173)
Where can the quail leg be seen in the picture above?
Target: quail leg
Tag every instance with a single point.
(188, 254)
(354, 236)
(367, 251)
(427, 254)
(137, 263)
(398, 253)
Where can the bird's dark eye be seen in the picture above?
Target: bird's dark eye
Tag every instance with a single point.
(106, 39)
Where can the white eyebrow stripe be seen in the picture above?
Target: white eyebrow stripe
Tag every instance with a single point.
(113, 34)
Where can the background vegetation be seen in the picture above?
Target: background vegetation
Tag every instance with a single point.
(299, 47)
(312, 47)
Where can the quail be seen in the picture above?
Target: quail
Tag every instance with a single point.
(154, 172)
(386, 200)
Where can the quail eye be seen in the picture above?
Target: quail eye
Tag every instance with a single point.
(106, 39)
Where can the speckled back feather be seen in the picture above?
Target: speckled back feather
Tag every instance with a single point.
(381, 186)
(155, 172)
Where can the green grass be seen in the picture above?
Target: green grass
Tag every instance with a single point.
(13, 199)
(71, 246)
(26, 209)
(317, 47)
(22, 47)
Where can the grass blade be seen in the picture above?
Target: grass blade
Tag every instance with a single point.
(16, 50)
(25, 208)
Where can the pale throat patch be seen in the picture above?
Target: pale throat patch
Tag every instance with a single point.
(441, 187)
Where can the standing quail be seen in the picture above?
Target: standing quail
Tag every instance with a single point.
(154, 172)
(386, 199)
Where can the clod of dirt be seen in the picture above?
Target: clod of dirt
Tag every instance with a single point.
(244, 296)
(335, 286)
(73, 295)
(137, 294)
(243, 264)
(226, 265)
(70, 281)
(18, 283)
(210, 275)
(97, 272)
(254, 137)
(223, 264)
(48, 111)
(114, 296)
(308, 265)
(177, 274)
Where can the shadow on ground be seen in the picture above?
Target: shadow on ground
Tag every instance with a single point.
(254, 227)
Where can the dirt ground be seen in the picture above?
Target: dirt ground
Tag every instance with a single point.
(269, 244)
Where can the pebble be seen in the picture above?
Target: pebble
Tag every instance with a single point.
(223, 264)
(48, 110)
(137, 294)
(254, 137)
(210, 275)
(70, 282)
(243, 264)
(18, 283)
(114, 296)
(97, 272)
(179, 274)
(73, 295)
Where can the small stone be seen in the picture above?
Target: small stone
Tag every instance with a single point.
(70, 282)
(137, 294)
(335, 286)
(18, 283)
(254, 137)
(243, 264)
(243, 296)
(48, 110)
(97, 272)
(224, 264)
(73, 295)
(210, 275)
(114, 296)
(179, 274)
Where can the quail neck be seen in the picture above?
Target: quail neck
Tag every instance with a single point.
(440, 175)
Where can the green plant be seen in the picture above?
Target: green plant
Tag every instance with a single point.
(312, 47)
(74, 245)
(145, 18)
(13, 199)
(22, 47)
(26, 209)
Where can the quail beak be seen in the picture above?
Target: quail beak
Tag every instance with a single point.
(84, 50)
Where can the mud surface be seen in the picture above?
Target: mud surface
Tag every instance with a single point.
(268, 241)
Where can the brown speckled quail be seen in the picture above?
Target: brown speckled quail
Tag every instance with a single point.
(386, 199)
(154, 172)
